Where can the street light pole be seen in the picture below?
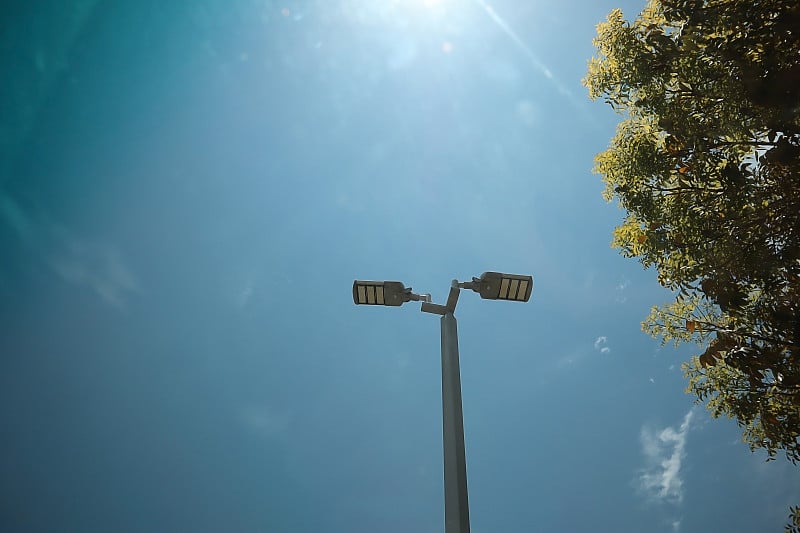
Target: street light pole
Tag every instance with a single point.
(491, 286)
(456, 502)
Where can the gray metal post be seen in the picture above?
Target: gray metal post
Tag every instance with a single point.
(456, 504)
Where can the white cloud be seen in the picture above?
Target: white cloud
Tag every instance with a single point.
(664, 451)
(600, 344)
(600, 340)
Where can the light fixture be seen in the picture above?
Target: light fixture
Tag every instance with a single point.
(392, 293)
(499, 286)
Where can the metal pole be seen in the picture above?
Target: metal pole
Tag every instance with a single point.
(456, 504)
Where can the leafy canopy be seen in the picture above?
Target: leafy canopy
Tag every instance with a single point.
(706, 164)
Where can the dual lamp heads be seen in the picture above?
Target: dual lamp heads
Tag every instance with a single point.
(490, 285)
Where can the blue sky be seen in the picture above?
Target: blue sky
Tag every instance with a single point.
(187, 191)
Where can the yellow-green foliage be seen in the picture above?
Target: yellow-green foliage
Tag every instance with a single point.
(705, 161)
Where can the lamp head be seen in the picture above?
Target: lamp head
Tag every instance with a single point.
(391, 293)
(499, 286)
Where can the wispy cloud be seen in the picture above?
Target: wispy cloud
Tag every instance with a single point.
(245, 293)
(537, 63)
(264, 420)
(97, 266)
(601, 344)
(534, 59)
(664, 451)
(528, 113)
(621, 296)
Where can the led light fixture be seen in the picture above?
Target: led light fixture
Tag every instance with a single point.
(392, 293)
(499, 286)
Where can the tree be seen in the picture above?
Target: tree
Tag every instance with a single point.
(793, 526)
(706, 164)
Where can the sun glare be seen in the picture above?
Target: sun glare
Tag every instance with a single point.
(411, 16)
(422, 4)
